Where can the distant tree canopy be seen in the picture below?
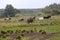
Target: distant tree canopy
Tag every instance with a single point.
(47, 10)
(56, 12)
(9, 11)
(53, 9)
(54, 6)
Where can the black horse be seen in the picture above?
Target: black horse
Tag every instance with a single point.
(47, 17)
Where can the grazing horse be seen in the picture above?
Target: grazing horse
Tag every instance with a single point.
(47, 17)
(21, 19)
(30, 20)
(7, 19)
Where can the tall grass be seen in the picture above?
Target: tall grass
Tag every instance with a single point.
(49, 25)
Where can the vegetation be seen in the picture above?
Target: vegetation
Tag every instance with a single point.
(53, 9)
(9, 11)
(51, 27)
(46, 29)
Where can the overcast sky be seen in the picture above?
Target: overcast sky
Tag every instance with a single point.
(27, 3)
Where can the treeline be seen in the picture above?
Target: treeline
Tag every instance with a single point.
(53, 9)
(26, 12)
(10, 11)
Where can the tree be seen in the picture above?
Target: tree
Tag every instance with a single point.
(56, 12)
(9, 11)
(47, 11)
(50, 11)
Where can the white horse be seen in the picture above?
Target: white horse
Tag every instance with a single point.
(7, 19)
(41, 18)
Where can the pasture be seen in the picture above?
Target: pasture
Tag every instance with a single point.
(51, 26)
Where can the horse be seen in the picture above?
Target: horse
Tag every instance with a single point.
(30, 20)
(7, 19)
(41, 18)
(21, 19)
(47, 17)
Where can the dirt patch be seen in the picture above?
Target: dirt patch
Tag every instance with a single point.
(33, 36)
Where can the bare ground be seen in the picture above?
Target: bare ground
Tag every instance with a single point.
(33, 36)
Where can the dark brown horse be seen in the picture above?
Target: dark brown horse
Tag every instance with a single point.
(30, 20)
(47, 17)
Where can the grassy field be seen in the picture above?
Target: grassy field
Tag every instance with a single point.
(49, 25)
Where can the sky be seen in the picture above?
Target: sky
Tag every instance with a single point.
(25, 4)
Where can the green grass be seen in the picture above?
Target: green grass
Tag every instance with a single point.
(7, 38)
(50, 26)
(25, 38)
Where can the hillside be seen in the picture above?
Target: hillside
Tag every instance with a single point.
(25, 11)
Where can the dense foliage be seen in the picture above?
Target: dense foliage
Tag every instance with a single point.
(9, 11)
(53, 9)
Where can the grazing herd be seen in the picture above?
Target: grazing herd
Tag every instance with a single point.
(29, 20)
